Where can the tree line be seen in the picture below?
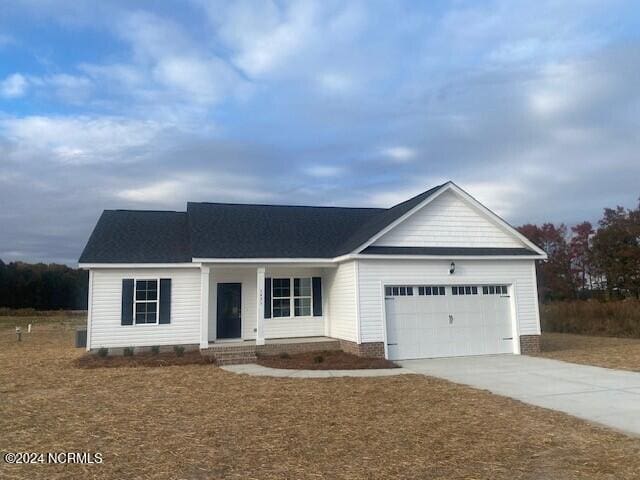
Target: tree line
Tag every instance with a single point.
(586, 261)
(42, 286)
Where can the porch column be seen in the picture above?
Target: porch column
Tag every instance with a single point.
(204, 306)
(260, 306)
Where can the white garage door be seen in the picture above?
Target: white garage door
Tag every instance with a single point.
(426, 321)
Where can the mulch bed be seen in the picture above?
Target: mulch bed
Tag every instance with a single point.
(325, 360)
(143, 360)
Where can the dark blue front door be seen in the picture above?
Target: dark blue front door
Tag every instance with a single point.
(229, 310)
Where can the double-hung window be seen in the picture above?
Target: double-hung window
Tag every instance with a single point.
(283, 296)
(302, 297)
(146, 301)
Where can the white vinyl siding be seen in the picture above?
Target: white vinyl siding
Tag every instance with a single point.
(373, 274)
(448, 221)
(291, 327)
(106, 304)
(341, 291)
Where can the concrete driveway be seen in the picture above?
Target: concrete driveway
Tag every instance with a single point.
(600, 395)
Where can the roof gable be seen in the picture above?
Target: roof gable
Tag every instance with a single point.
(451, 223)
(448, 221)
(379, 222)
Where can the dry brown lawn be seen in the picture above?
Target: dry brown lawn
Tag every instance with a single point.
(622, 353)
(200, 422)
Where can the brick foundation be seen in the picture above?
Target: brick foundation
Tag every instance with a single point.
(234, 354)
(529, 344)
(372, 350)
(293, 348)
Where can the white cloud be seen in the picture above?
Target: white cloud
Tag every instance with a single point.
(66, 87)
(520, 50)
(399, 154)
(264, 35)
(289, 39)
(502, 196)
(79, 140)
(335, 82)
(152, 37)
(197, 187)
(324, 171)
(567, 87)
(13, 86)
(70, 88)
(122, 74)
(388, 197)
(201, 80)
(170, 73)
(159, 192)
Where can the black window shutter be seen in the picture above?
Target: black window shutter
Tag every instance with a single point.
(317, 296)
(126, 315)
(267, 298)
(165, 300)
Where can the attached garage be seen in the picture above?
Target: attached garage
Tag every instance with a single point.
(426, 321)
(449, 278)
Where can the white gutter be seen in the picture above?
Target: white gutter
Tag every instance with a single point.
(264, 260)
(197, 262)
(138, 265)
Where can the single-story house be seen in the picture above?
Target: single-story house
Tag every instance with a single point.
(434, 276)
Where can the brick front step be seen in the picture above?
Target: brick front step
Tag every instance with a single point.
(235, 354)
(232, 354)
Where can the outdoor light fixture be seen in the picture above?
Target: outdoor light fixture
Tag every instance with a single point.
(452, 268)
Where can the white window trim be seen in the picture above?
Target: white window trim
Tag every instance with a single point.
(292, 297)
(135, 301)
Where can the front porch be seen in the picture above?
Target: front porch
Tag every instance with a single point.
(246, 351)
(248, 306)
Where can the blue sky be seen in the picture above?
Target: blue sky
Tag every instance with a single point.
(532, 107)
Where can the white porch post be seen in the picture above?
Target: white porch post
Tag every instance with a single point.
(204, 306)
(260, 306)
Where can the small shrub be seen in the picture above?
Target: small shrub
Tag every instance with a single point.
(103, 352)
(155, 349)
(128, 352)
(284, 355)
(318, 359)
(179, 349)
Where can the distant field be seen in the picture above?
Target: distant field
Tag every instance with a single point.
(201, 422)
(26, 316)
(610, 319)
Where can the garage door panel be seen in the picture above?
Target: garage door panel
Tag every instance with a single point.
(420, 326)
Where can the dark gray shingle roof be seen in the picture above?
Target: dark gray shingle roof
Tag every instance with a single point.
(223, 230)
(133, 236)
(272, 231)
